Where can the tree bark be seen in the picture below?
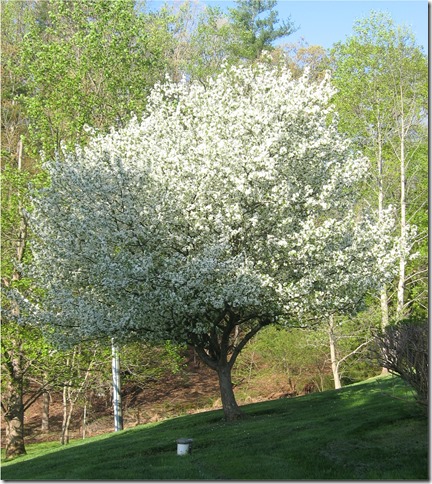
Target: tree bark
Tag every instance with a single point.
(219, 350)
(403, 222)
(334, 363)
(67, 402)
(45, 411)
(230, 407)
(14, 412)
(68, 407)
(13, 403)
(65, 414)
(380, 169)
(14, 417)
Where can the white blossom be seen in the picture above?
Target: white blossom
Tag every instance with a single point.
(240, 195)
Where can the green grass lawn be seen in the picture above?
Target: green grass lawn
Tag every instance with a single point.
(372, 430)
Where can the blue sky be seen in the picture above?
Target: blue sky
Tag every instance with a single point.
(324, 22)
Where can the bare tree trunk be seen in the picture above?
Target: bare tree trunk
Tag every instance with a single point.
(383, 294)
(14, 410)
(15, 431)
(45, 411)
(19, 153)
(84, 426)
(384, 308)
(72, 390)
(65, 414)
(14, 417)
(384, 318)
(65, 435)
(67, 402)
(231, 409)
(380, 167)
(68, 407)
(334, 362)
(403, 224)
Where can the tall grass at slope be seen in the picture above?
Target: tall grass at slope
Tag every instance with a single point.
(372, 430)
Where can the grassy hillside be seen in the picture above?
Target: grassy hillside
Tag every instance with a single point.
(371, 430)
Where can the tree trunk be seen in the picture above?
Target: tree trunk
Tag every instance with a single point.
(67, 402)
(45, 412)
(380, 169)
(14, 418)
(64, 421)
(84, 425)
(383, 294)
(231, 409)
(13, 406)
(334, 363)
(403, 225)
(65, 436)
(384, 318)
(14, 411)
(68, 406)
(384, 308)
(216, 351)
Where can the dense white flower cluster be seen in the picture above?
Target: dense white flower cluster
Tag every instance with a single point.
(236, 196)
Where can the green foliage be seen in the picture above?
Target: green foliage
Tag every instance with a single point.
(215, 38)
(15, 184)
(88, 63)
(141, 362)
(368, 69)
(382, 78)
(254, 30)
(418, 209)
(210, 44)
(360, 432)
(16, 17)
(299, 356)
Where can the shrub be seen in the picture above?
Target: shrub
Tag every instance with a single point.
(403, 350)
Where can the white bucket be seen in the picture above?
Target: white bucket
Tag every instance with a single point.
(184, 446)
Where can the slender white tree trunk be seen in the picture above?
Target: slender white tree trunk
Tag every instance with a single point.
(65, 414)
(380, 166)
(84, 426)
(403, 223)
(334, 362)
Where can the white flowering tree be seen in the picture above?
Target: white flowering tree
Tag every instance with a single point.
(226, 208)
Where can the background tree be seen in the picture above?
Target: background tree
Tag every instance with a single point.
(382, 77)
(102, 56)
(254, 30)
(296, 358)
(79, 370)
(227, 206)
(301, 55)
(348, 339)
(20, 347)
(22, 344)
(210, 44)
(17, 19)
(207, 38)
